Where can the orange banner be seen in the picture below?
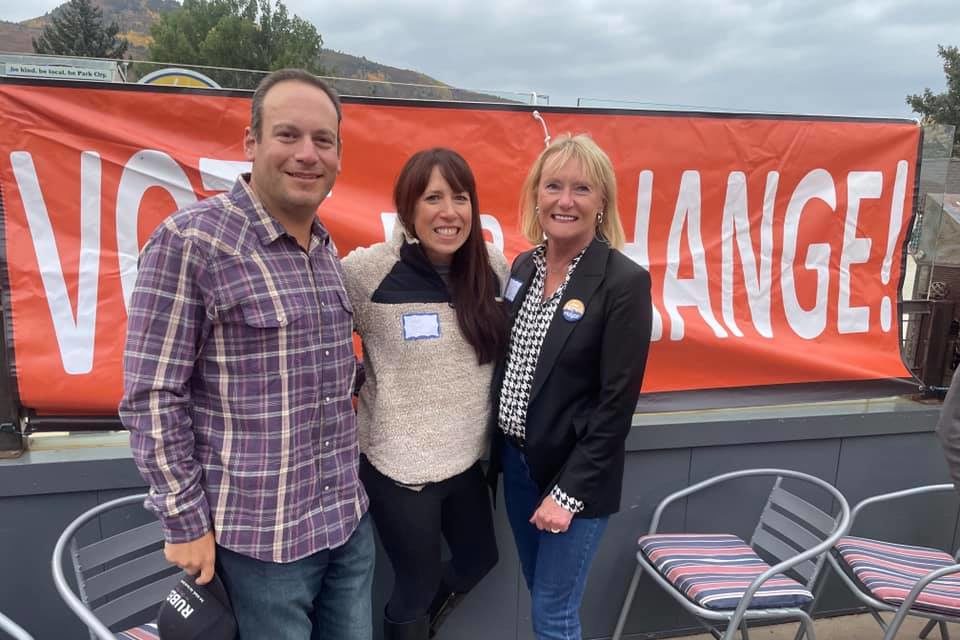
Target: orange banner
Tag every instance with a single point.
(775, 244)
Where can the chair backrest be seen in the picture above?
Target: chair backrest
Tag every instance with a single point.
(10, 628)
(120, 578)
(788, 525)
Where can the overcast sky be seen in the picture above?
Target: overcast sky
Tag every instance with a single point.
(857, 57)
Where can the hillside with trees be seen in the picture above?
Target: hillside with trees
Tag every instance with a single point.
(168, 32)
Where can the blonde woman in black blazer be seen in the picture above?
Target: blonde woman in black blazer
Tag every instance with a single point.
(566, 390)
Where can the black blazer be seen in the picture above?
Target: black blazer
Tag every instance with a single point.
(587, 379)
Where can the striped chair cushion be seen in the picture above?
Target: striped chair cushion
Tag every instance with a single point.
(715, 570)
(143, 632)
(889, 571)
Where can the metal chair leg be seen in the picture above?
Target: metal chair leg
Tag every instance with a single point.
(806, 624)
(927, 629)
(944, 634)
(818, 590)
(897, 621)
(880, 621)
(627, 603)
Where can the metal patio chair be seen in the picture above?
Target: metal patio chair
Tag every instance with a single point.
(720, 578)
(121, 579)
(9, 628)
(906, 580)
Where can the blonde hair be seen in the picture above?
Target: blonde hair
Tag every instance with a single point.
(599, 170)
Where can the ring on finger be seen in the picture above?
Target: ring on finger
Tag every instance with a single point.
(554, 530)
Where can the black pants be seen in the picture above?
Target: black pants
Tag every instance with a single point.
(411, 523)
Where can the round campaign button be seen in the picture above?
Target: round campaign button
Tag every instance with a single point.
(573, 310)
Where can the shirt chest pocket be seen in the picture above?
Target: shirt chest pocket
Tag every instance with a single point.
(262, 333)
(251, 310)
(250, 296)
(268, 312)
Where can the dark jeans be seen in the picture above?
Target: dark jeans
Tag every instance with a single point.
(412, 525)
(325, 596)
(555, 565)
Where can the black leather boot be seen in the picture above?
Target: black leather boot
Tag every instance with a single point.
(443, 603)
(416, 630)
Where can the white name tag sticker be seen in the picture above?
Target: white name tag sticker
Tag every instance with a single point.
(421, 326)
(512, 288)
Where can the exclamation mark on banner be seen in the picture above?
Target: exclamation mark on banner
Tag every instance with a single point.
(896, 224)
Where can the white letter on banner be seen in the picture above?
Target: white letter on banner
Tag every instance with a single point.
(491, 224)
(816, 185)
(75, 338)
(220, 175)
(896, 222)
(860, 186)
(388, 219)
(736, 221)
(638, 250)
(692, 292)
(144, 170)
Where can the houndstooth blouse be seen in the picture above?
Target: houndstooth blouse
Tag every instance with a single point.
(526, 340)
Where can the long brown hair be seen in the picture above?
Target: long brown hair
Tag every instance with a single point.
(481, 318)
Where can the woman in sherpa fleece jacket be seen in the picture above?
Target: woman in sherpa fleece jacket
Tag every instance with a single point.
(427, 306)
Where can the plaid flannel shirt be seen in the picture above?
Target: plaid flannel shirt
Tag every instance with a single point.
(238, 375)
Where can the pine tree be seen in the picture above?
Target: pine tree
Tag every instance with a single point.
(77, 29)
(239, 34)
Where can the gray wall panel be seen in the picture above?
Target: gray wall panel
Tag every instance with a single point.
(869, 466)
(735, 507)
(29, 530)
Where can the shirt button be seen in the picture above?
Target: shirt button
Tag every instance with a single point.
(326, 487)
(327, 399)
(280, 317)
(327, 443)
(326, 353)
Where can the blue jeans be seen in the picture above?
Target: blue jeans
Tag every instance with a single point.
(555, 565)
(325, 596)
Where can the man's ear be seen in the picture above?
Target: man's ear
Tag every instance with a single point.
(249, 143)
(339, 153)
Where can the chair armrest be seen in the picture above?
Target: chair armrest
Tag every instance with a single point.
(12, 629)
(927, 579)
(97, 628)
(907, 605)
(732, 475)
(894, 495)
(840, 529)
(823, 547)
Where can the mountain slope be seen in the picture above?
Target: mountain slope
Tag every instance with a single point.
(135, 17)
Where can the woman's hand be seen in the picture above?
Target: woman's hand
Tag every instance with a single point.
(551, 517)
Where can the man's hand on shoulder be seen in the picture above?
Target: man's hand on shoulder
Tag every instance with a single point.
(196, 556)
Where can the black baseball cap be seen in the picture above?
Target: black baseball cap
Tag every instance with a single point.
(192, 611)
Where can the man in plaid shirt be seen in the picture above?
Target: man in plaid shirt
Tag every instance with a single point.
(238, 375)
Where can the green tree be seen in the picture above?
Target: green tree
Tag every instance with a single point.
(942, 108)
(239, 34)
(77, 29)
